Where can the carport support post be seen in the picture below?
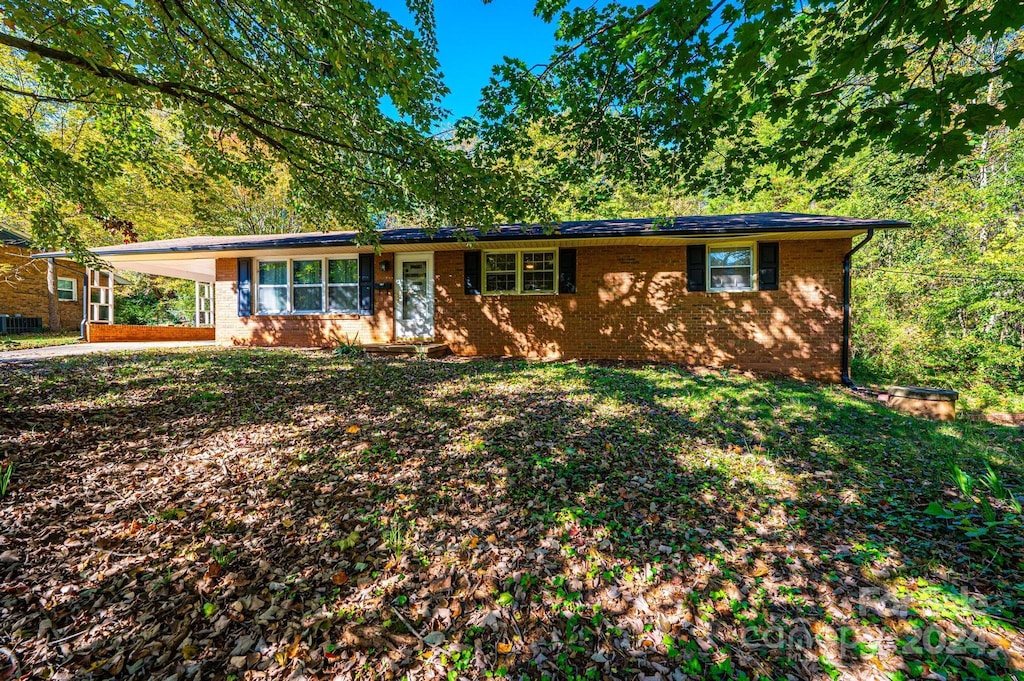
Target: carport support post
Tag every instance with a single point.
(53, 309)
(199, 304)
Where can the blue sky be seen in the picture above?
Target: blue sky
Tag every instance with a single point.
(472, 37)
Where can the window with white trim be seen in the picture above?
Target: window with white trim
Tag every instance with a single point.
(731, 268)
(343, 285)
(67, 289)
(308, 285)
(519, 271)
(272, 287)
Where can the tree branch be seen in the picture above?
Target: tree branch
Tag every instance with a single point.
(186, 92)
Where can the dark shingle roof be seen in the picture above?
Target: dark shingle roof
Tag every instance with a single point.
(691, 226)
(9, 237)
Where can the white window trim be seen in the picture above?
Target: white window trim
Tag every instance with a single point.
(74, 290)
(324, 286)
(328, 284)
(519, 272)
(293, 287)
(752, 245)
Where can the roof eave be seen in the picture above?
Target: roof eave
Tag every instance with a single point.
(705, 232)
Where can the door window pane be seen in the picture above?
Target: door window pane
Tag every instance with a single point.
(414, 290)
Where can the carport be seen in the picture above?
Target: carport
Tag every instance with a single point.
(100, 307)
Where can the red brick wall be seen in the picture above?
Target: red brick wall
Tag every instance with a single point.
(631, 303)
(300, 330)
(114, 333)
(23, 287)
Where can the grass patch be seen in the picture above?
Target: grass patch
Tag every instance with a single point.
(38, 340)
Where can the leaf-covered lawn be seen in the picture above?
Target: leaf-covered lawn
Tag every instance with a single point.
(277, 514)
(39, 340)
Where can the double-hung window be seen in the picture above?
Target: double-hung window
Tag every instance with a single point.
(539, 272)
(500, 272)
(308, 285)
(67, 289)
(272, 287)
(731, 268)
(519, 272)
(343, 285)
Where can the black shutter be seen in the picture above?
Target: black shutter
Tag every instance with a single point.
(471, 286)
(567, 270)
(244, 287)
(768, 266)
(696, 268)
(366, 283)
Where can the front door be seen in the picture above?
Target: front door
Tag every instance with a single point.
(414, 296)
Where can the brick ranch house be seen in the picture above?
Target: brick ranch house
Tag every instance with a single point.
(35, 290)
(763, 292)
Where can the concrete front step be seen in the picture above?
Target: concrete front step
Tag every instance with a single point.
(408, 349)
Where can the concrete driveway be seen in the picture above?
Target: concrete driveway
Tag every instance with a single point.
(58, 351)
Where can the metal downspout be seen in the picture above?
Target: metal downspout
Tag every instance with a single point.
(85, 303)
(847, 276)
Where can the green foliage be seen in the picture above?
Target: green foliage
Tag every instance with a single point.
(943, 304)
(222, 556)
(396, 537)
(149, 300)
(122, 88)
(975, 515)
(349, 346)
(5, 478)
(649, 94)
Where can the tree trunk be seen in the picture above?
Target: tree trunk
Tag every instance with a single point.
(51, 295)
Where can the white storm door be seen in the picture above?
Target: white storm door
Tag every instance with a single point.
(414, 296)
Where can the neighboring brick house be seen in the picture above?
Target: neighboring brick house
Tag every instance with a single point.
(24, 288)
(764, 292)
